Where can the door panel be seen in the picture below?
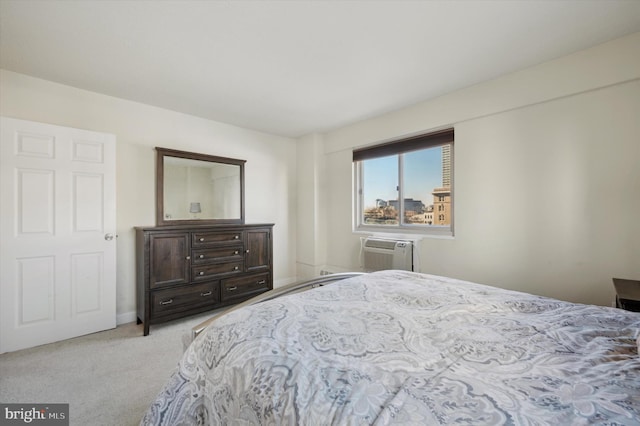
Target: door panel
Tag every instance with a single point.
(257, 251)
(57, 271)
(86, 281)
(88, 196)
(169, 259)
(35, 201)
(35, 283)
(34, 145)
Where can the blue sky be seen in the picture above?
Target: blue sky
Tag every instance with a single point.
(423, 172)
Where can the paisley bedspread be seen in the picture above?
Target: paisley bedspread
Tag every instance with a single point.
(397, 347)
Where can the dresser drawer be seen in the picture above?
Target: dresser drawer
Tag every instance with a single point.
(208, 239)
(205, 272)
(184, 297)
(244, 286)
(217, 255)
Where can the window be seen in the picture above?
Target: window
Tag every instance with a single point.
(416, 170)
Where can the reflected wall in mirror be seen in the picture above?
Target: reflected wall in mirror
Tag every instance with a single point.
(196, 188)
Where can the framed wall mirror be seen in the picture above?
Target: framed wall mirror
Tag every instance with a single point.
(194, 188)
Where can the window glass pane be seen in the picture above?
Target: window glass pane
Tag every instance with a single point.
(380, 193)
(427, 186)
(424, 188)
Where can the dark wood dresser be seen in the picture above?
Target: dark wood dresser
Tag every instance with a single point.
(183, 270)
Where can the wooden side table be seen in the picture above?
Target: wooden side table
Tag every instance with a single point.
(627, 294)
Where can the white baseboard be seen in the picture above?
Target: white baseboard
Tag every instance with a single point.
(126, 318)
(284, 281)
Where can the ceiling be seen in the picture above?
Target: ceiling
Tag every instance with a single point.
(292, 68)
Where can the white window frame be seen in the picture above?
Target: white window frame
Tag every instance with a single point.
(442, 231)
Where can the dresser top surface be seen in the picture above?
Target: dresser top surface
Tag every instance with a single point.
(203, 227)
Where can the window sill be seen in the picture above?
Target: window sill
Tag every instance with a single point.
(408, 233)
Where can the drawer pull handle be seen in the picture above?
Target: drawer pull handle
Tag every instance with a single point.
(202, 256)
(235, 268)
(234, 288)
(166, 302)
(262, 282)
(205, 294)
(235, 252)
(201, 239)
(201, 273)
(236, 237)
(247, 251)
(188, 258)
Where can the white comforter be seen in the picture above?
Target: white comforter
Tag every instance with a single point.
(404, 348)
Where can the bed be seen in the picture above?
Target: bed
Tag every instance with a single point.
(397, 347)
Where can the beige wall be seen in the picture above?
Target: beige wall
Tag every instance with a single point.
(311, 207)
(270, 169)
(547, 177)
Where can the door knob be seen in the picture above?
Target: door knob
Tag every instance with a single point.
(108, 237)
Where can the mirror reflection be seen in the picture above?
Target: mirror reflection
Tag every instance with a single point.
(195, 189)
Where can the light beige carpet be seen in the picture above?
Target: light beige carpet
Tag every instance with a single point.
(107, 378)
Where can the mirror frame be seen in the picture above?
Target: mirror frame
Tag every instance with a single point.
(161, 153)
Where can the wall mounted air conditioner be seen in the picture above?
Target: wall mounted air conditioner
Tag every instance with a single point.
(382, 254)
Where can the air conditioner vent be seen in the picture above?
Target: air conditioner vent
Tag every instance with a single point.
(382, 254)
(381, 244)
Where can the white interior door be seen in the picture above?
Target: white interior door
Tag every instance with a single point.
(57, 236)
